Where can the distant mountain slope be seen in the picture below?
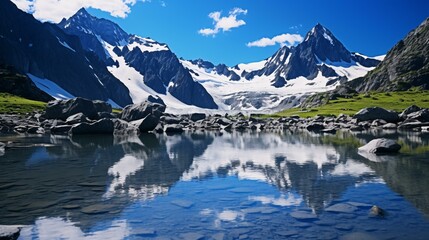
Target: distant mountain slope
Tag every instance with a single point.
(45, 51)
(406, 65)
(142, 64)
(318, 64)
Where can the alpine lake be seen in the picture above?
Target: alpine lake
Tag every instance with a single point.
(215, 185)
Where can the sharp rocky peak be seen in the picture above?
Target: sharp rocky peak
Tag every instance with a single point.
(85, 23)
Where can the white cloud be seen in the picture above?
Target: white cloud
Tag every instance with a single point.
(55, 10)
(224, 23)
(285, 39)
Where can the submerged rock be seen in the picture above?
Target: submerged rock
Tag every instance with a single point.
(377, 211)
(301, 215)
(381, 146)
(341, 208)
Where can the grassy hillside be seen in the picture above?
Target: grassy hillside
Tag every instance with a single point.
(396, 101)
(18, 105)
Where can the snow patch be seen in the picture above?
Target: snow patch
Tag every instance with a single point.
(327, 37)
(50, 87)
(65, 45)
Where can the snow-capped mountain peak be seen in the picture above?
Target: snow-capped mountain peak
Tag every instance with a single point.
(319, 63)
(91, 29)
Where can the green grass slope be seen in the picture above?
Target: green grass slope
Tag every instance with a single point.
(11, 104)
(396, 101)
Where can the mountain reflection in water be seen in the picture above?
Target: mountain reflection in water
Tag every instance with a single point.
(89, 184)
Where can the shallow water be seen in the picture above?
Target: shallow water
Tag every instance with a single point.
(215, 185)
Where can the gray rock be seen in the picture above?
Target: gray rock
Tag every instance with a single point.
(147, 124)
(422, 115)
(329, 130)
(408, 110)
(315, 127)
(62, 109)
(139, 111)
(171, 120)
(106, 115)
(35, 130)
(377, 211)
(381, 146)
(77, 118)
(122, 127)
(417, 125)
(197, 116)
(60, 129)
(373, 113)
(390, 126)
(103, 126)
(173, 128)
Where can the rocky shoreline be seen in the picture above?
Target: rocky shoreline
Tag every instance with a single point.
(81, 116)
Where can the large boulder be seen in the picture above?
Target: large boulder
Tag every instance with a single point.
(173, 128)
(102, 126)
(122, 127)
(197, 116)
(408, 110)
(373, 113)
(139, 111)
(62, 109)
(146, 124)
(77, 118)
(421, 115)
(381, 146)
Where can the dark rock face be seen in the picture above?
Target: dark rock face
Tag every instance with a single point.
(381, 146)
(62, 109)
(45, 51)
(373, 113)
(406, 65)
(20, 85)
(161, 69)
(107, 30)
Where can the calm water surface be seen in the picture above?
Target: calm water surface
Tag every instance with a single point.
(215, 186)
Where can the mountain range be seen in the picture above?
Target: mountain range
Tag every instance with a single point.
(94, 58)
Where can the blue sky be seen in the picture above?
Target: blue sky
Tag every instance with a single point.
(370, 27)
